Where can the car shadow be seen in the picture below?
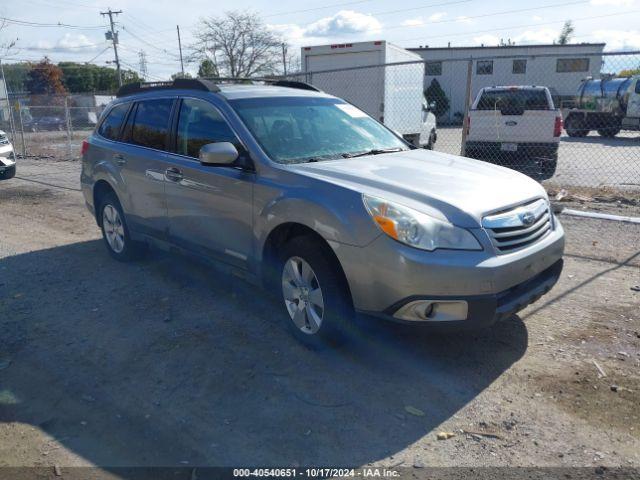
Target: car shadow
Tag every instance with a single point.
(168, 363)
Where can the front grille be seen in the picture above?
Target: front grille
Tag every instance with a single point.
(519, 227)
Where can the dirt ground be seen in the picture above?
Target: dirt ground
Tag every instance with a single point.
(165, 362)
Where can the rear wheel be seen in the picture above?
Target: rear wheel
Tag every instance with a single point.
(115, 231)
(575, 126)
(610, 128)
(314, 291)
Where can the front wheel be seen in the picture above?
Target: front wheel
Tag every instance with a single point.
(315, 293)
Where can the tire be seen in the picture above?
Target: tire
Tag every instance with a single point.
(576, 127)
(548, 168)
(608, 133)
(115, 232)
(316, 298)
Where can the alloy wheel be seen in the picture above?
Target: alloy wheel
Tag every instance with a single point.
(302, 295)
(113, 228)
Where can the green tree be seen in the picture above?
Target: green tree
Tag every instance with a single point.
(435, 94)
(78, 78)
(181, 75)
(566, 33)
(207, 69)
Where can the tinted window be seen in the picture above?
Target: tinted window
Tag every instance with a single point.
(514, 101)
(200, 123)
(484, 67)
(151, 123)
(433, 68)
(519, 67)
(565, 65)
(110, 127)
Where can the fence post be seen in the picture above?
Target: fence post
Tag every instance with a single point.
(67, 118)
(467, 103)
(24, 145)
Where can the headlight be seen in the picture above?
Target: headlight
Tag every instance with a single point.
(417, 229)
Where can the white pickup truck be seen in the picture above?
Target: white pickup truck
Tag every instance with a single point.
(515, 126)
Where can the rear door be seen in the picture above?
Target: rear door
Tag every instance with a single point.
(513, 116)
(209, 207)
(143, 162)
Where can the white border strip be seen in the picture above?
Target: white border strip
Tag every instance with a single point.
(601, 216)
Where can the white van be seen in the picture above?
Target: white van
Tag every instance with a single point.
(515, 126)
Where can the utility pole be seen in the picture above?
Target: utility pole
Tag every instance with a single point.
(180, 48)
(113, 36)
(142, 57)
(284, 58)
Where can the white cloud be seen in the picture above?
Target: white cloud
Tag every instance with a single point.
(418, 21)
(436, 17)
(541, 35)
(344, 22)
(612, 3)
(413, 22)
(537, 18)
(619, 39)
(74, 40)
(464, 19)
(488, 40)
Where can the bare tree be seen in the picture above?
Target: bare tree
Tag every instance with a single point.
(566, 33)
(238, 44)
(5, 46)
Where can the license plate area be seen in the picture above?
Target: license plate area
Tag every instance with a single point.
(509, 147)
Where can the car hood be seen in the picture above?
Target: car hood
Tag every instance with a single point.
(449, 187)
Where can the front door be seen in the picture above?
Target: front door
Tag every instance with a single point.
(209, 207)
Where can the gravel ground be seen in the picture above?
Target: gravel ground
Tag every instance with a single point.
(166, 362)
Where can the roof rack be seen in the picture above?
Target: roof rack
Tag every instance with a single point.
(206, 84)
(178, 84)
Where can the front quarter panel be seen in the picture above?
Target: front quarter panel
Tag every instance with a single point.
(335, 213)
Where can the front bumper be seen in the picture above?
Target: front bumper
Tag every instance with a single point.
(485, 310)
(7, 166)
(386, 275)
(493, 151)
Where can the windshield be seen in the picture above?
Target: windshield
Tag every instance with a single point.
(302, 129)
(516, 100)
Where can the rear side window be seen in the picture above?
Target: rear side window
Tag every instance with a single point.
(200, 123)
(151, 123)
(111, 125)
(514, 101)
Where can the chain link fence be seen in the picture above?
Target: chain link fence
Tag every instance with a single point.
(571, 122)
(51, 127)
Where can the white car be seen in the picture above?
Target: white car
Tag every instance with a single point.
(7, 158)
(515, 126)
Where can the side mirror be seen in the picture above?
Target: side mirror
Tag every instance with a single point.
(223, 153)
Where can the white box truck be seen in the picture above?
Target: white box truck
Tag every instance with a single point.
(393, 95)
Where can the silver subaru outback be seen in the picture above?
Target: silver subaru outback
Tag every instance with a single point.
(306, 194)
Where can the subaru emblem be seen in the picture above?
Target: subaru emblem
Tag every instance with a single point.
(527, 218)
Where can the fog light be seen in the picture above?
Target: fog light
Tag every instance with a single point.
(433, 311)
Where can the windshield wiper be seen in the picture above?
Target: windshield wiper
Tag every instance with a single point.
(375, 151)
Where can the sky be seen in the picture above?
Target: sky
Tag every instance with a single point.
(150, 25)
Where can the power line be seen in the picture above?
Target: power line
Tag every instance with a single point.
(94, 58)
(485, 15)
(344, 4)
(26, 23)
(514, 27)
(163, 50)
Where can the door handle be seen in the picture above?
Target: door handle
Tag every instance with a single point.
(173, 174)
(120, 160)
